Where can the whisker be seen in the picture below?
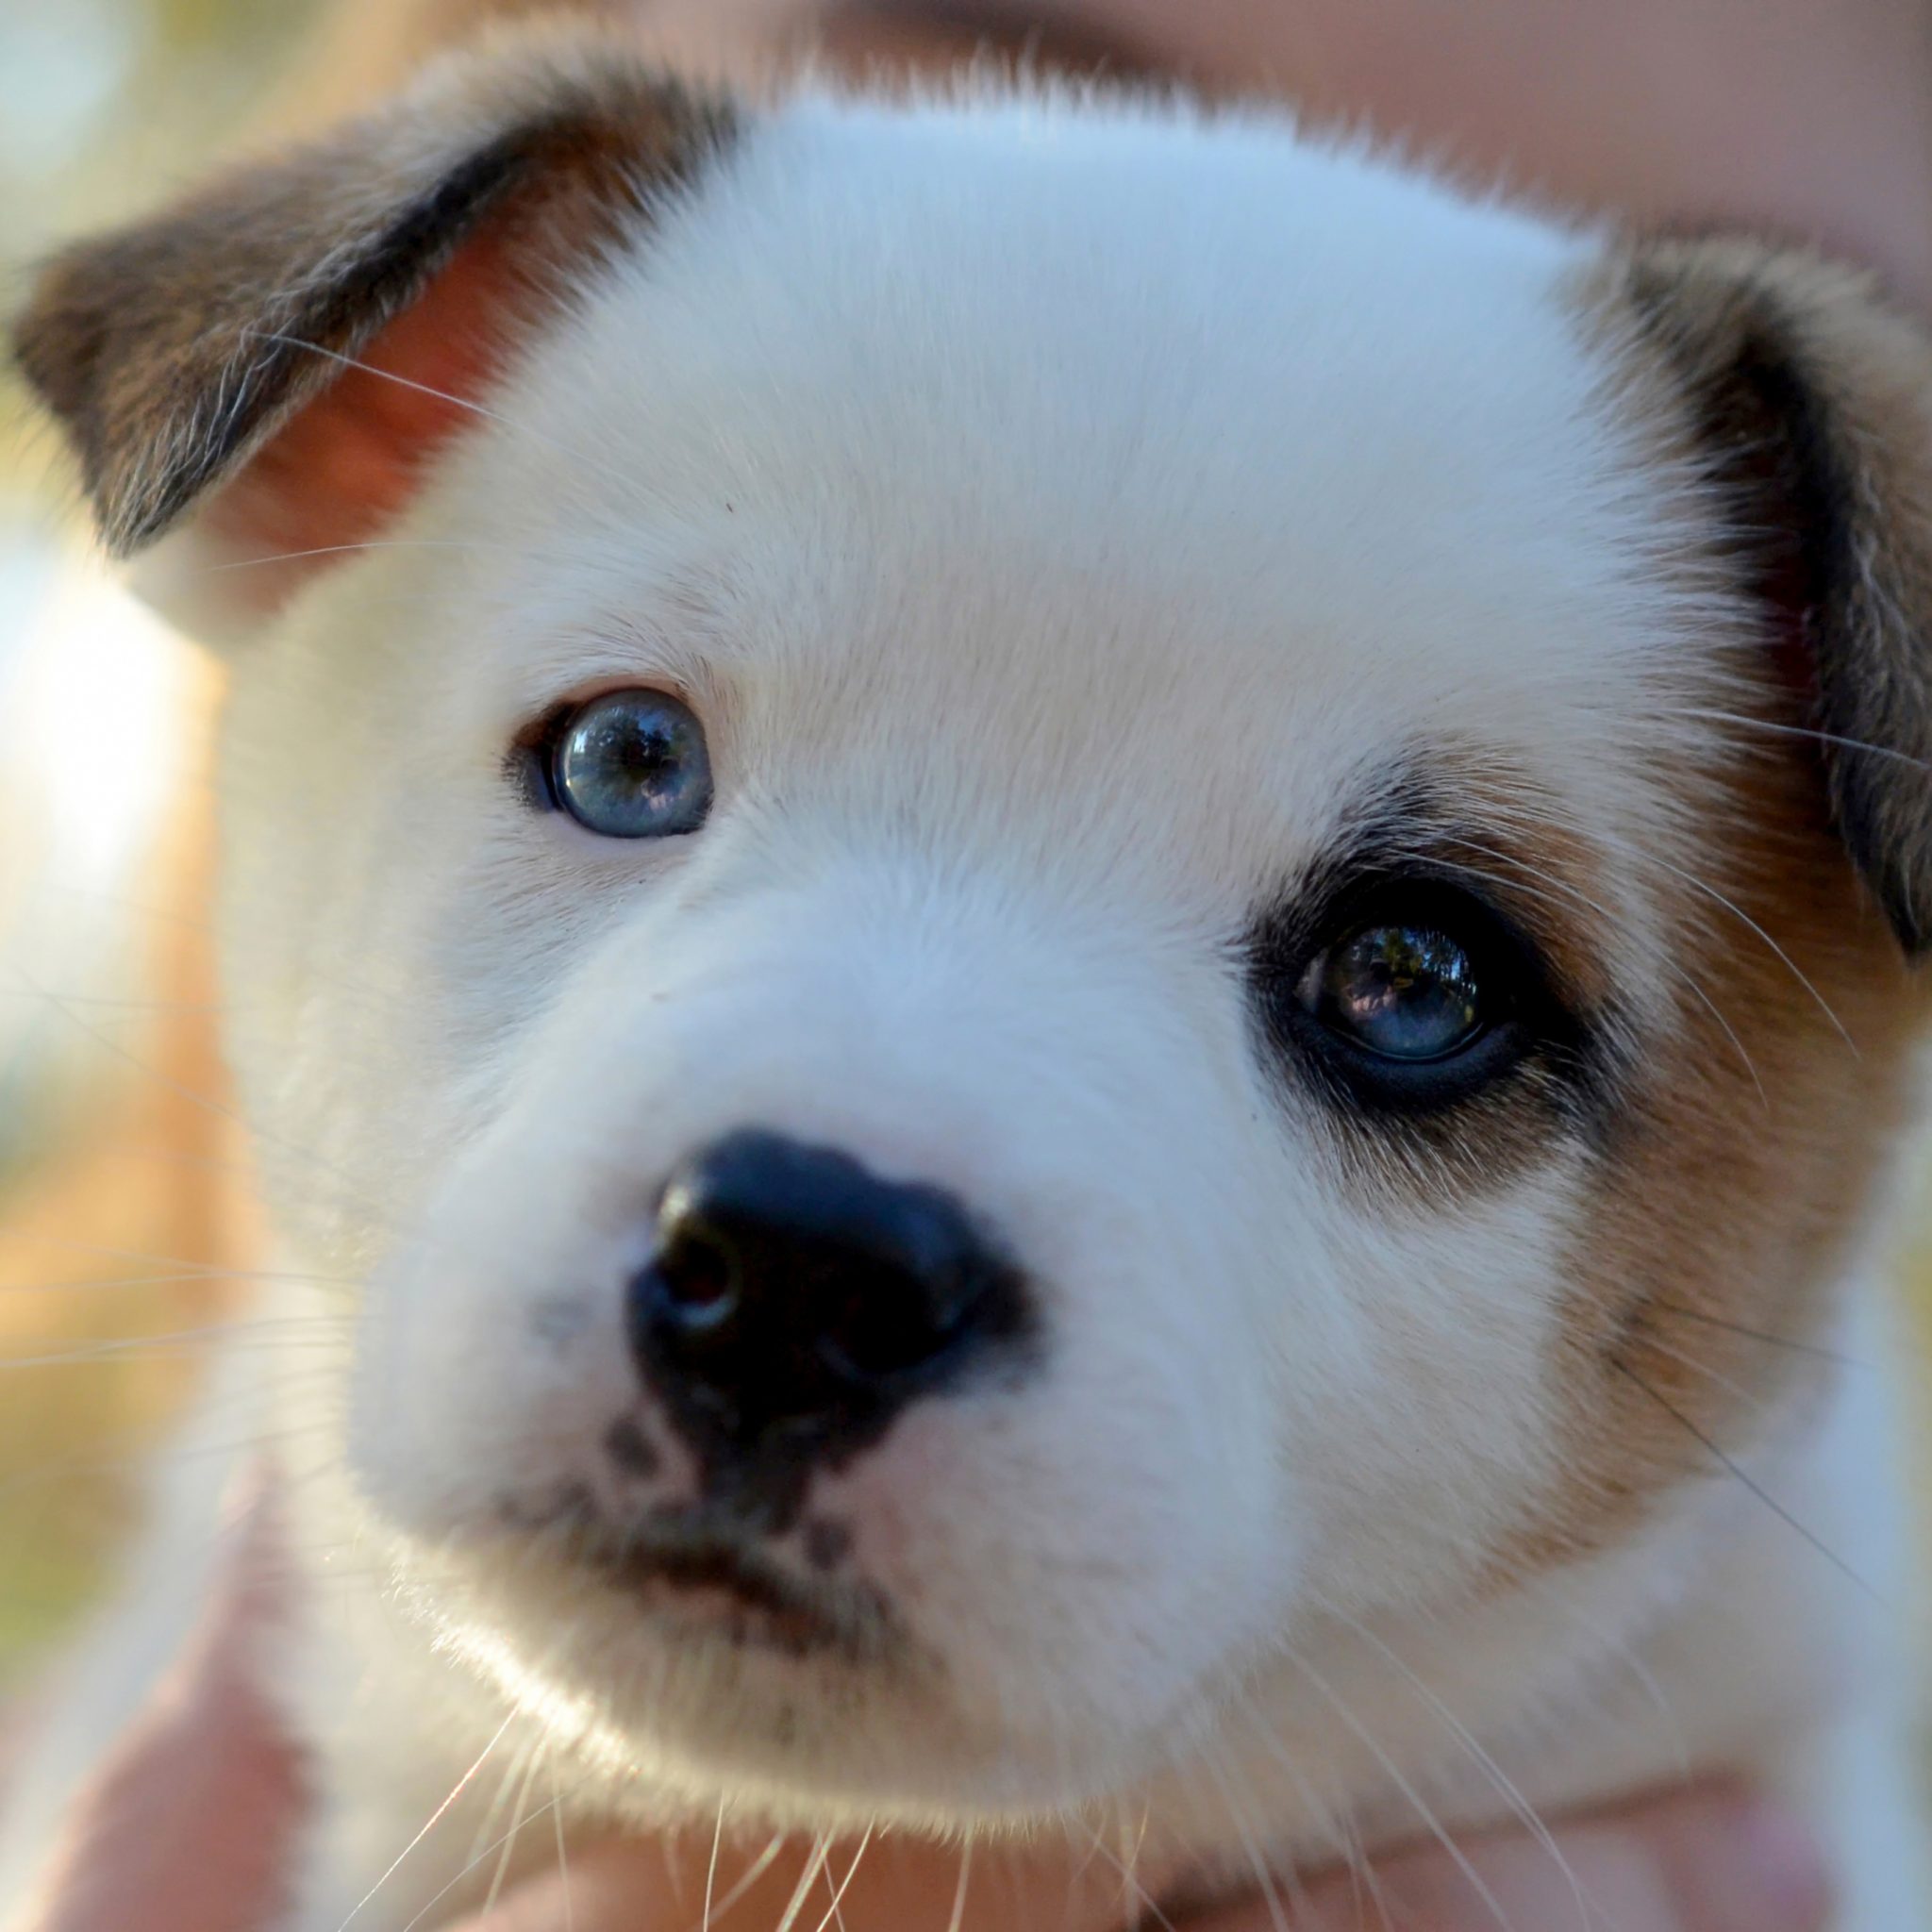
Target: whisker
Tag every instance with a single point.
(508, 1839)
(337, 550)
(711, 1868)
(1524, 1811)
(1756, 1488)
(1264, 1879)
(126, 1003)
(1772, 725)
(205, 1102)
(1790, 964)
(1320, 1809)
(1130, 1865)
(958, 1917)
(1139, 1900)
(176, 1280)
(1748, 1397)
(212, 1270)
(1816, 1350)
(179, 1341)
(519, 1822)
(757, 1870)
(173, 918)
(484, 1840)
(1623, 846)
(462, 1784)
(570, 1920)
(1333, 1821)
(1362, 1879)
(1621, 1648)
(140, 1452)
(477, 409)
(815, 1864)
(833, 1915)
(1430, 1821)
(1590, 905)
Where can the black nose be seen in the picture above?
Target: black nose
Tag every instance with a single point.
(794, 1296)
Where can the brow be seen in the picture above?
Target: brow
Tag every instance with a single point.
(1059, 35)
(1435, 813)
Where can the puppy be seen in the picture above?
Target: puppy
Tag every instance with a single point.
(1076, 947)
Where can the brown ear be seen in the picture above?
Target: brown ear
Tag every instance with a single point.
(1810, 402)
(201, 359)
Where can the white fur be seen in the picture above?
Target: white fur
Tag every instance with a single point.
(1056, 516)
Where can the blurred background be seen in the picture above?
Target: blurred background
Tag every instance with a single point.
(125, 1215)
(121, 1199)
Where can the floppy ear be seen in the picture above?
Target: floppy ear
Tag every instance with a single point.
(1810, 401)
(201, 363)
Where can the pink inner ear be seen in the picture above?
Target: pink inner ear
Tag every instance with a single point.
(346, 466)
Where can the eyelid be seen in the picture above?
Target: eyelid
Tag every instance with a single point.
(1406, 898)
(544, 724)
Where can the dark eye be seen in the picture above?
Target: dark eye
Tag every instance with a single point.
(631, 764)
(1404, 995)
(1403, 991)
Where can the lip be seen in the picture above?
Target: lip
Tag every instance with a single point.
(706, 1583)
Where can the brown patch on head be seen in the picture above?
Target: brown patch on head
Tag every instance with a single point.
(416, 238)
(1788, 411)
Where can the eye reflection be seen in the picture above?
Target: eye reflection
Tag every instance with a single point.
(1402, 992)
(632, 764)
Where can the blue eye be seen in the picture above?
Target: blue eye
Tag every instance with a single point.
(632, 764)
(1404, 992)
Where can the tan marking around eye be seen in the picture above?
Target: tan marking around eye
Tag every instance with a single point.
(1747, 1160)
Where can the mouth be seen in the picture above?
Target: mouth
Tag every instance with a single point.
(697, 1579)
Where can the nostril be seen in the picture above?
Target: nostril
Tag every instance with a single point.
(696, 1282)
(873, 1327)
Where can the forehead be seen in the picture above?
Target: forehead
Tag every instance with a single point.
(1143, 431)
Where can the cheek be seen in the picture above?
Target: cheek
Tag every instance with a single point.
(491, 1356)
(1091, 1546)
(332, 885)
(1423, 1428)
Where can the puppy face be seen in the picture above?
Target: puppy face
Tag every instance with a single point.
(1053, 901)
